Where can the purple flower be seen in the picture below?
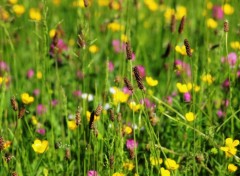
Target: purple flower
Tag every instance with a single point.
(226, 83)
(79, 74)
(169, 100)
(92, 173)
(77, 93)
(118, 46)
(131, 144)
(30, 73)
(41, 109)
(3, 67)
(36, 92)
(54, 102)
(147, 103)
(182, 67)
(217, 12)
(231, 59)
(220, 113)
(187, 97)
(41, 131)
(141, 70)
(110, 66)
(238, 73)
(127, 91)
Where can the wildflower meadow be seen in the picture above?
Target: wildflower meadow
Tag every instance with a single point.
(119, 87)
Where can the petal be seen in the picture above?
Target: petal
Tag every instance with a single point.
(225, 149)
(235, 143)
(229, 141)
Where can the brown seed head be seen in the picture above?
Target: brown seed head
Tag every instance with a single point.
(91, 122)
(173, 23)
(98, 110)
(14, 103)
(111, 161)
(188, 48)
(181, 26)
(21, 112)
(128, 84)
(167, 51)
(78, 117)
(138, 78)
(111, 114)
(67, 154)
(8, 157)
(14, 174)
(226, 26)
(85, 3)
(128, 51)
(1, 143)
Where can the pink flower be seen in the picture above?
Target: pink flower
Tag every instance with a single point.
(54, 102)
(92, 173)
(187, 97)
(79, 74)
(41, 109)
(77, 93)
(131, 144)
(110, 66)
(217, 12)
(118, 46)
(30, 73)
(127, 91)
(220, 113)
(146, 102)
(169, 100)
(141, 70)
(231, 59)
(41, 131)
(36, 92)
(182, 67)
(226, 83)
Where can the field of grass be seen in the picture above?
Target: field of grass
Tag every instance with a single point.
(119, 87)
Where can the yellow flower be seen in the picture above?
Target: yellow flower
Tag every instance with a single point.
(78, 3)
(171, 164)
(128, 165)
(151, 81)
(12, 1)
(228, 9)
(124, 38)
(207, 78)
(3, 79)
(209, 5)
(88, 114)
(119, 96)
(7, 144)
(127, 129)
(183, 88)
(151, 4)
(35, 14)
(164, 172)
(18, 9)
(155, 161)
(180, 12)
(26, 99)
(230, 149)
(103, 2)
(115, 26)
(56, 2)
(115, 5)
(168, 14)
(40, 146)
(211, 23)
(93, 49)
(34, 120)
(190, 116)
(235, 45)
(39, 75)
(182, 50)
(72, 124)
(118, 174)
(133, 106)
(232, 168)
(4, 15)
(52, 33)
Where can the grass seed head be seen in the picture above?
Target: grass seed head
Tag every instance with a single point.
(181, 26)
(14, 103)
(226, 26)
(188, 48)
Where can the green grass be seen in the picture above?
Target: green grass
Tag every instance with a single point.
(195, 146)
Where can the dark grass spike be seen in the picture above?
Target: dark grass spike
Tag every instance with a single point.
(111, 114)
(128, 51)
(8, 157)
(111, 161)
(182, 24)
(21, 112)
(78, 117)
(91, 122)
(188, 48)
(167, 51)
(173, 23)
(128, 84)
(138, 78)
(226, 26)
(14, 103)
(1, 143)
(98, 110)
(14, 174)
(85, 3)
(67, 154)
